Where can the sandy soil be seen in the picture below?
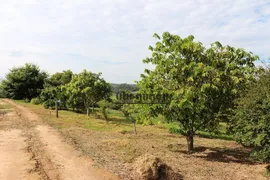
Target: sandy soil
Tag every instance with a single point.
(31, 150)
(15, 163)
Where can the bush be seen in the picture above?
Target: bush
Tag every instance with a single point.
(49, 104)
(116, 105)
(103, 106)
(174, 130)
(251, 121)
(2, 93)
(35, 101)
(26, 100)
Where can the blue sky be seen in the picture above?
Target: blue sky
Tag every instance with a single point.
(112, 36)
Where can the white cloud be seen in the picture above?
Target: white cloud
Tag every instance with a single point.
(97, 32)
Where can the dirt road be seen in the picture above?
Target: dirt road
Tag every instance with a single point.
(30, 150)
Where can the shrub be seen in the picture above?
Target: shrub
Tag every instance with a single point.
(35, 101)
(103, 106)
(26, 100)
(49, 104)
(251, 121)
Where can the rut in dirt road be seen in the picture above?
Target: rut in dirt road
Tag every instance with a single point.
(55, 158)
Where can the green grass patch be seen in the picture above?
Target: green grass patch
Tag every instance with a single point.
(69, 119)
(221, 132)
(116, 122)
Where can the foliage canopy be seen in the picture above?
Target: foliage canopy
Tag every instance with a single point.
(252, 119)
(24, 82)
(90, 88)
(204, 82)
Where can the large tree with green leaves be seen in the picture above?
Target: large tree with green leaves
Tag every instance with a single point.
(24, 82)
(89, 88)
(251, 123)
(203, 82)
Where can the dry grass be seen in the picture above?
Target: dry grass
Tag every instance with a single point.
(114, 146)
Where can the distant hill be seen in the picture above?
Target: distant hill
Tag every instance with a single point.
(124, 87)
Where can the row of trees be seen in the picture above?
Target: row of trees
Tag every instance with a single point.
(80, 91)
(208, 85)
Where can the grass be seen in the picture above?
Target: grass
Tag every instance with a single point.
(220, 134)
(5, 106)
(116, 123)
(69, 119)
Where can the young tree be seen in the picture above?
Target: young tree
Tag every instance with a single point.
(203, 82)
(90, 87)
(251, 123)
(54, 89)
(24, 82)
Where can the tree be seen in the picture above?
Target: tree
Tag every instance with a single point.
(130, 111)
(60, 78)
(54, 89)
(203, 83)
(104, 105)
(2, 94)
(24, 82)
(90, 88)
(251, 123)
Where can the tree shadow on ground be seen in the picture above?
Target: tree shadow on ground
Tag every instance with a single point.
(181, 148)
(226, 155)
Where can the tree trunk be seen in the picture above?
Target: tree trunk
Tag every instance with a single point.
(190, 142)
(135, 129)
(88, 111)
(56, 109)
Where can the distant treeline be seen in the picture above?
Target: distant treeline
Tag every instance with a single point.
(124, 87)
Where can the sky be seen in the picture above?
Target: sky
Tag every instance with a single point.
(112, 36)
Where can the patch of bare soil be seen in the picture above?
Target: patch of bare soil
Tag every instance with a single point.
(15, 161)
(51, 157)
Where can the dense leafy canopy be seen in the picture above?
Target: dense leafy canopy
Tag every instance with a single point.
(60, 79)
(252, 119)
(203, 82)
(89, 88)
(54, 89)
(24, 82)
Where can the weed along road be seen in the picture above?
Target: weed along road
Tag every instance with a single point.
(30, 150)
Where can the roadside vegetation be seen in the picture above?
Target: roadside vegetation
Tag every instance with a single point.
(218, 110)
